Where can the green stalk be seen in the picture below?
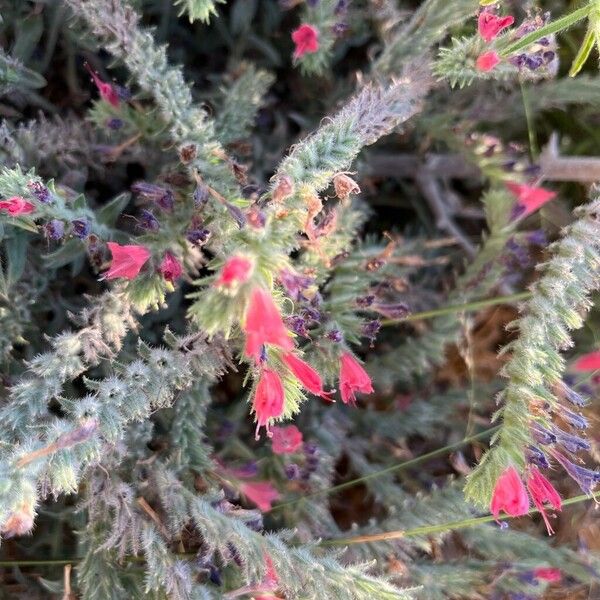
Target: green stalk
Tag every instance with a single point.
(397, 467)
(469, 306)
(553, 27)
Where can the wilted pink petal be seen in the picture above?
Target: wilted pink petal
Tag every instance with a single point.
(260, 493)
(286, 440)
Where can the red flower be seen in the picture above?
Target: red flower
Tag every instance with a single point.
(588, 362)
(548, 574)
(16, 206)
(170, 267)
(529, 198)
(510, 495)
(306, 38)
(353, 378)
(261, 493)
(487, 61)
(268, 399)
(541, 491)
(264, 325)
(127, 261)
(286, 440)
(107, 91)
(490, 25)
(236, 270)
(306, 375)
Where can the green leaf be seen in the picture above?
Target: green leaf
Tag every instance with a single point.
(583, 53)
(16, 254)
(110, 212)
(64, 255)
(549, 29)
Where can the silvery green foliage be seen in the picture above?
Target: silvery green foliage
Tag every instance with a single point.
(239, 103)
(561, 298)
(199, 10)
(14, 75)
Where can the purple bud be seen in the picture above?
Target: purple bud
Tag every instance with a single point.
(148, 221)
(518, 61)
(166, 201)
(292, 472)
(538, 238)
(339, 28)
(310, 448)
(237, 214)
(399, 310)
(123, 92)
(54, 229)
(341, 7)
(570, 442)
(543, 436)
(586, 479)
(537, 457)
(294, 284)
(201, 195)
(40, 191)
(198, 236)
(214, 575)
(573, 397)
(335, 336)
(574, 419)
(548, 56)
(365, 301)
(115, 123)
(311, 314)
(371, 329)
(534, 62)
(81, 434)
(81, 228)
(297, 325)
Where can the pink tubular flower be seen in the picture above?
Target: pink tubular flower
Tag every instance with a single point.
(107, 91)
(127, 261)
(306, 38)
(260, 493)
(235, 271)
(264, 325)
(490, 25)
(268, 399)
(588, 362)
(306, 375)
(16, 206)
(509, 495)
(487, 61)
(541, 491)
(353, 378)
(529, 198)
(286, 440)
(170, 267)
(550, 574)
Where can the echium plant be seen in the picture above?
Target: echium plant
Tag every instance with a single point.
(241, 299)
